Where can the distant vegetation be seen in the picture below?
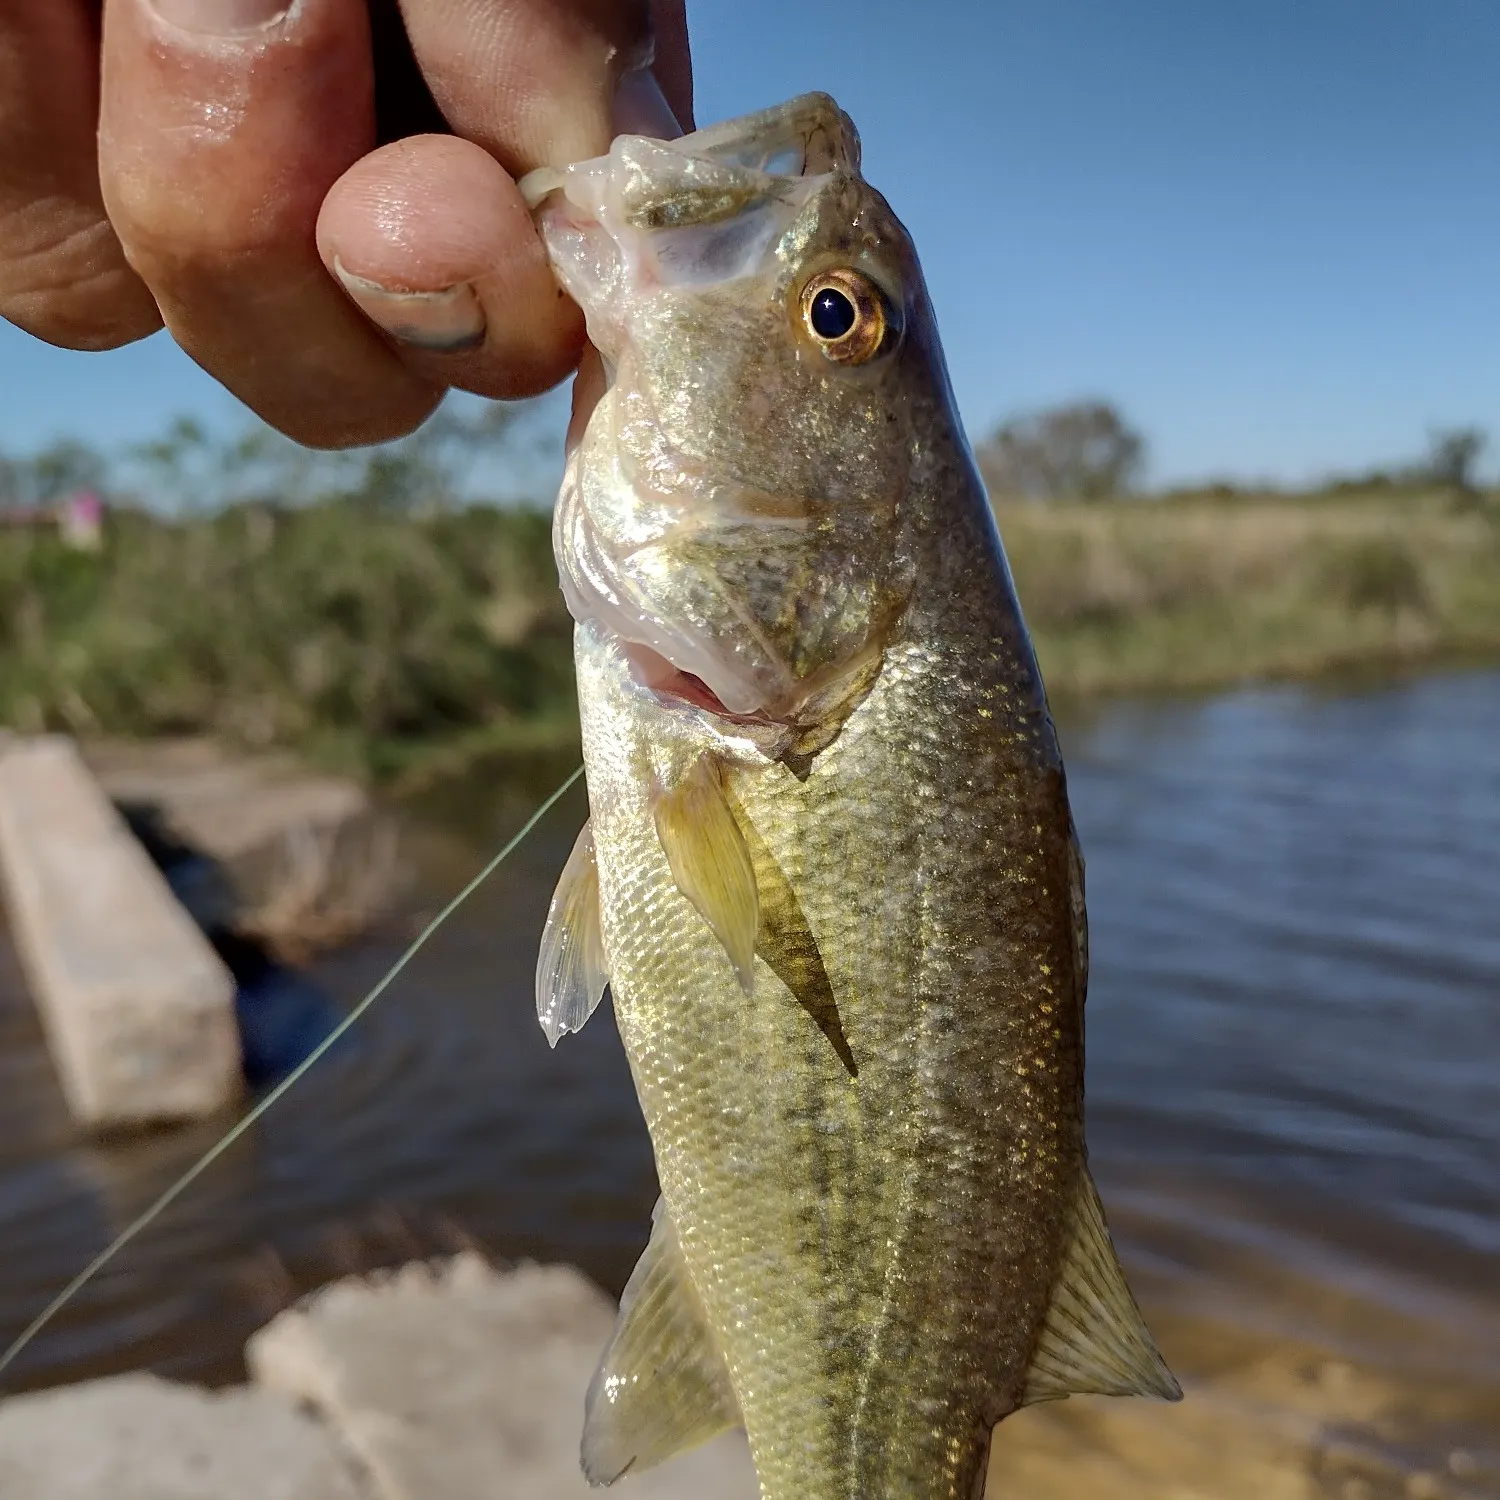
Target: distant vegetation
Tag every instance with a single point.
(1086, 451)
(369, 608)
(357, 606)
(1201, 591)
(1201, 588)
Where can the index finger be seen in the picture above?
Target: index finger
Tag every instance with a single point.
(535, 82)
(430, 237)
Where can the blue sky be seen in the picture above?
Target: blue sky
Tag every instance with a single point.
(1269, 229)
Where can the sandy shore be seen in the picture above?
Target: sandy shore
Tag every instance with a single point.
(1317, 1373)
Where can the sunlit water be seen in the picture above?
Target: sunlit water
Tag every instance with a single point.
(1293, 1067)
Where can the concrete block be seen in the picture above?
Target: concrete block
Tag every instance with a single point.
(137, 1007)
(455, 1381)
(305, 860)
(139, 1438)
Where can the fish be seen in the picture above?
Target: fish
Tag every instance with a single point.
(830, 878)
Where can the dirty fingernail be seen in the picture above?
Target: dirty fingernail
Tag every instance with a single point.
(642, 109)
(446, 321)
(220, 17)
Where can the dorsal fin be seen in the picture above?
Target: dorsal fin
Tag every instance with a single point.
(571, 968)
(710, 861)
(662, 1386)
(1094, 1339)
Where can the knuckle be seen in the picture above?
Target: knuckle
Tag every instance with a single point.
(64, 279)
(169, 234)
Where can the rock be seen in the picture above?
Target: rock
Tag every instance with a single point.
(135, 1437)
(452, 1380)
(137, 1007)
(306, 860)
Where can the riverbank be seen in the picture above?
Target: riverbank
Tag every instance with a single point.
(1203, 593)
(440, 1380)
(436, 1381)
(405, 647)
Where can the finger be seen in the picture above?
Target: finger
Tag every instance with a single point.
(403, 102)
(673, 61)
(430, 237)
(223, 123)
(431, 240)
(535, 81)
(63, 275)
(589, 386)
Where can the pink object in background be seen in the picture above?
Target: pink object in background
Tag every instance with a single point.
(80, 520)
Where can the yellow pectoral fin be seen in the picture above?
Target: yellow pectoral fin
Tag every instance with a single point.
(662, 1386)
(571, 968)
(710, 861)
(1094, 1339)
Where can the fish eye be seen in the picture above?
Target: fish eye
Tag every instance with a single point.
(847, 316)
(831, 314)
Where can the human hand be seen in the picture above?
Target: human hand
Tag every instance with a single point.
(246, 171)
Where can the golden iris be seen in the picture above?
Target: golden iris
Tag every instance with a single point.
(845, 314)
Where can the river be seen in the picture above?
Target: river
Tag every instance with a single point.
(1293, 1098)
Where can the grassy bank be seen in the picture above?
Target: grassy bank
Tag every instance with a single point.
(1203, 592)
(403, 644)
(362, 637)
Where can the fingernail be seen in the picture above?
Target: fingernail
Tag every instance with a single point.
(642, 109)
(221, 17)
(445, 321)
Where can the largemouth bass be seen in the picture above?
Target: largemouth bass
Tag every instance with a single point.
(830, 876)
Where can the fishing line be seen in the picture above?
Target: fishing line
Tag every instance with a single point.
(233, 1134)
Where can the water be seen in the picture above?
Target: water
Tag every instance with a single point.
(1293, 1079)
(1296, 914)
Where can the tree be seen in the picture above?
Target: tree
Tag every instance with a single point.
(1083, 451)
(1453, 455)
(190, 469)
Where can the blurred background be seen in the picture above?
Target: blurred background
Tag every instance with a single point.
(1218, 288)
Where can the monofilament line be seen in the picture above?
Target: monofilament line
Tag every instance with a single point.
(228, 1139)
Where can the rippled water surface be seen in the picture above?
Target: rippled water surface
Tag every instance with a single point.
(1293, 1068)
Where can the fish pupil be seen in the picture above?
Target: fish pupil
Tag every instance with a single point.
(832, 314)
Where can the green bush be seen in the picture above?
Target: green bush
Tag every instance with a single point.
(1376, 573)
(272, 626)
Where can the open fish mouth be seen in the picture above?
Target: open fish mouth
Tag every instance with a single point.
(792, 735)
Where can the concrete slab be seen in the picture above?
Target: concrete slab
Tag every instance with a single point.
(137, 1007)
(453, 1381)
(139, 1438)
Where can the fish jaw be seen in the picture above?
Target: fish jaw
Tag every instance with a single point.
(733, 502)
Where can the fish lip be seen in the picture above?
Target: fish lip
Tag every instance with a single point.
(788, 736)
(811, 128)
(669, 683)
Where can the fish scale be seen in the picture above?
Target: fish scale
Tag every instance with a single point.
(843, 923)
